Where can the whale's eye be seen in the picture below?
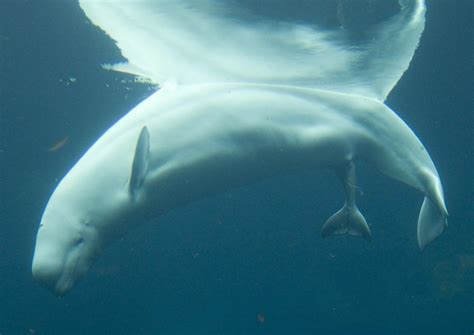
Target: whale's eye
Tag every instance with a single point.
(78, 241)
(85, 221)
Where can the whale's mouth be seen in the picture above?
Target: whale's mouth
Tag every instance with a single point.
(57, 266)
(54, 275)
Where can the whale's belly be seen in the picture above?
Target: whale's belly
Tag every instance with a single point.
(234, 137)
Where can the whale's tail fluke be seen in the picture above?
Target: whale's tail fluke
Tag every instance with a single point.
(348, 220)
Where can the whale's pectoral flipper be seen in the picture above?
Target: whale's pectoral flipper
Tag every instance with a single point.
(140, 162)
(431, 223)
(348, 220)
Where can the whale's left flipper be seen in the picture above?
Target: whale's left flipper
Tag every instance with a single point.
(348, 220)
(140, 162)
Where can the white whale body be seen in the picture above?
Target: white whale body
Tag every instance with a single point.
(210, 128)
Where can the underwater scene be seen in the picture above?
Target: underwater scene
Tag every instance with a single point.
(236, 167)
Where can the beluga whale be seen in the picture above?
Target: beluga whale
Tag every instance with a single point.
(243, 94)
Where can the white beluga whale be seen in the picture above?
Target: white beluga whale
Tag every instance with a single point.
(240, 99)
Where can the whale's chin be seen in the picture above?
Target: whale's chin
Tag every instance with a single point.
(58, 279)
(51, 275)
(58, 262)
(62, 287)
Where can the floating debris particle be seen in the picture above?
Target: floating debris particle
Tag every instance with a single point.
(57, 146)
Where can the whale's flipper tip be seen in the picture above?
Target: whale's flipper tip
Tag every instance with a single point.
(348, 220)
(431, 223)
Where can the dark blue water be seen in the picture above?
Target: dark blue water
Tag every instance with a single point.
(250, 261)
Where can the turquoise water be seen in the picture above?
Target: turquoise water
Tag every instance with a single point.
(250, 261)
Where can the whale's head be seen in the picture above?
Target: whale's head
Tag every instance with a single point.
(66, 246)
(78, 221)
(89, 207)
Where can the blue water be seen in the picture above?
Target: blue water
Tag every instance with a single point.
(250, 261)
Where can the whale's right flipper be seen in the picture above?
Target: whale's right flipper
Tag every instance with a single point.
(348, 220)
(431, 223)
